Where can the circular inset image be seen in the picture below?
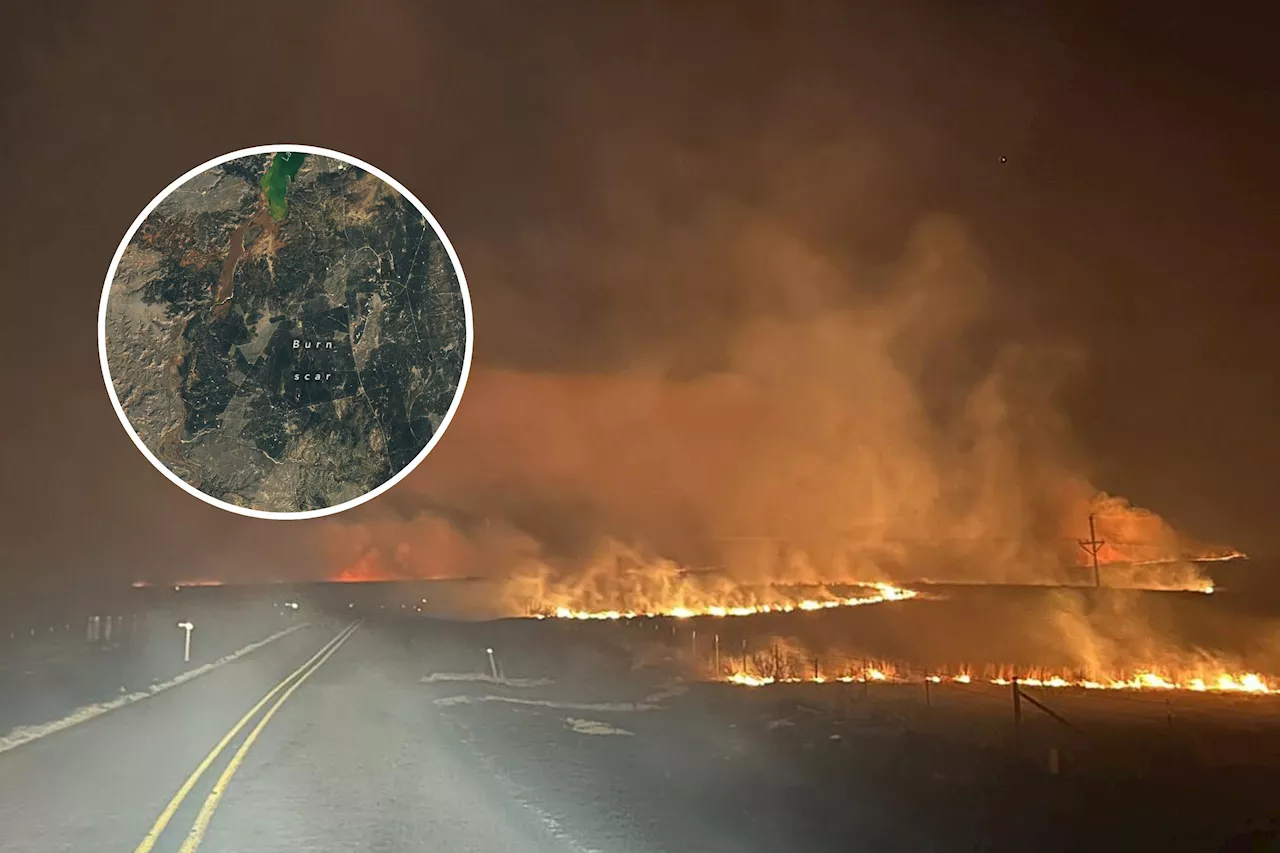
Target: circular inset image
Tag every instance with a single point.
(285, 332)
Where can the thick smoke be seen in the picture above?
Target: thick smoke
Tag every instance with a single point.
(848, 422)
(729, 335)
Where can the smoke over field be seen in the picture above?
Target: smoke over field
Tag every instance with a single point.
(848, 423)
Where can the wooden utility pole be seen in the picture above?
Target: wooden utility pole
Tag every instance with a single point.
(1092, 546)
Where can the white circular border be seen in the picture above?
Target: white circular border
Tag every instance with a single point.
(106, 370)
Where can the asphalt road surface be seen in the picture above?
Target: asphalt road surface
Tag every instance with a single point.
(391, 736)
(340, 757)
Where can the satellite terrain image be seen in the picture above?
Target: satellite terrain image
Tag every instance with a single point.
(284, 332)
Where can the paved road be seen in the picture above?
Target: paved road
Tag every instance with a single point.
(335, 741)
(353, 759)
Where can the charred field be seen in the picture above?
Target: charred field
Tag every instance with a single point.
(835, 767)
(626, 730)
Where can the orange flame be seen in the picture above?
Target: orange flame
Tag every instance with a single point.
(1225, 682)
(876, 594)
(365, 570)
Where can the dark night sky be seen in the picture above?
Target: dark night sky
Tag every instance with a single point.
(1135, 219)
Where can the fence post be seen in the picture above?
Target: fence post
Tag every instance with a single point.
(1017, 717)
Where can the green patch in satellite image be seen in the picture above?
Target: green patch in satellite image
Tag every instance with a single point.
(285, 332)
(275, 181)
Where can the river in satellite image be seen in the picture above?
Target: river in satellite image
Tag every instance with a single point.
(285, 332)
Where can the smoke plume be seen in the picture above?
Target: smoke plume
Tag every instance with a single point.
(845, 422)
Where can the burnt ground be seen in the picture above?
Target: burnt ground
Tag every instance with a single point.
(874, 767)
(771, 775)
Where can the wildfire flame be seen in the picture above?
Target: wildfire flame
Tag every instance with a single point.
(365, 570)
(1246, 682)
(876, 593)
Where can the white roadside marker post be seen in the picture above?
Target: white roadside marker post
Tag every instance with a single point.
(186, 648)
(492, 664)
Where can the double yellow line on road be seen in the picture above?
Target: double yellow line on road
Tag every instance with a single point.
(290, 683)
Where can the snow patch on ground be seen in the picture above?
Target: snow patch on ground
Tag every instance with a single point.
(485, 678)
(25, 734)
(447, 701)
(594, 727)
(669, 692)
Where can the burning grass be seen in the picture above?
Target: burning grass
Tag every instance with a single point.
(877, 593)
(1150, 680)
